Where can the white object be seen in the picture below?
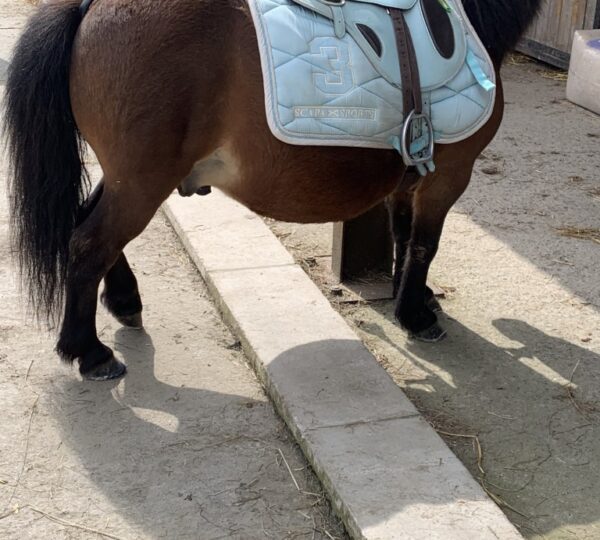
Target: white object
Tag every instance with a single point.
(583, 86)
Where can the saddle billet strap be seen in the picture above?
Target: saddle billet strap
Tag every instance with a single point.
(409, 69)
(417, 125)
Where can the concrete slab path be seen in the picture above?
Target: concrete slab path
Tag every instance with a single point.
(388, 474)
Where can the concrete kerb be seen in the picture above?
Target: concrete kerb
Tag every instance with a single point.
(387, 473)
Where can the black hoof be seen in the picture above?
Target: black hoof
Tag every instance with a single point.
(111, 369)
(433, 334)
(117, 306)
(131, 321)
(183, 192)
(434, 305)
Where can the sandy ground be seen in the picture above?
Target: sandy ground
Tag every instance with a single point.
(174, 449)
(185, 446)
(520, 369)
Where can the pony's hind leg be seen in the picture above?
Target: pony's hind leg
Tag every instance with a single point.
(90, 257)
(95, 248)
(120, 296)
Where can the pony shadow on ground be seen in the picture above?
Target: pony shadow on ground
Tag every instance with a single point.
(140, 440)
(533, 401)
(173, 461)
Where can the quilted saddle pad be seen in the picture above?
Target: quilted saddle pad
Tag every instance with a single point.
(322, 89)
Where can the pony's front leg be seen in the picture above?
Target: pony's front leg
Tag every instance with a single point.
(400, 209)
(412, 309)
(432, 199)
(399, 206)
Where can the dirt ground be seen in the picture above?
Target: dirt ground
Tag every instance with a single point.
(187, 445)
(519, 374)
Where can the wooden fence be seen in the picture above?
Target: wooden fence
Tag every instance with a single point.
(551, 36)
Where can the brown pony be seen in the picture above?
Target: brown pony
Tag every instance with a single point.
(170, 92)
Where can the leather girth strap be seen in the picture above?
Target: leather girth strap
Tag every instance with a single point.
(409, 69)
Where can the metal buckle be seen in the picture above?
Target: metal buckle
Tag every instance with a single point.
(424, 155)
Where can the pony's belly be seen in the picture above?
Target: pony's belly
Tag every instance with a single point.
(292, 187)
(309, 196)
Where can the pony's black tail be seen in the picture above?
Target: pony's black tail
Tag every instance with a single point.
(48, 179)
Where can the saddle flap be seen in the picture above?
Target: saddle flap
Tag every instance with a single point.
(398, 4)
(371, 27)
(324, 8)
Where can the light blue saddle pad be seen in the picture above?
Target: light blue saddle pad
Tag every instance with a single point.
(324, 85)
